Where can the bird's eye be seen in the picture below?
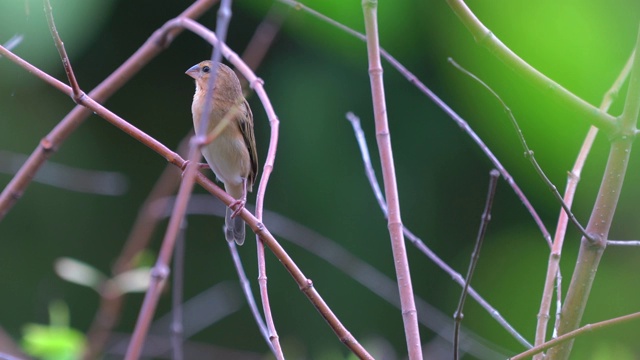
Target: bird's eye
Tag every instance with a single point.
(206, 69)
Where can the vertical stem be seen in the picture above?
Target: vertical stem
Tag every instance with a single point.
(602, 215)
(475, 256)
(561, 228)
(383, 136)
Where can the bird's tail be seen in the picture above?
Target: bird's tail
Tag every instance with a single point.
(234, 229)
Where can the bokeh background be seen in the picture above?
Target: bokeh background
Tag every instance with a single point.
(314, 74)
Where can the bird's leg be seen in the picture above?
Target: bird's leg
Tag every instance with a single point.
(187, 162)
(239, 203)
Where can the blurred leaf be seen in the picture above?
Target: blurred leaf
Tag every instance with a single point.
(80, 273)
(56, 341)
(136, 280)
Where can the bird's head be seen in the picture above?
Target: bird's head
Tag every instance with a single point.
(201, 72)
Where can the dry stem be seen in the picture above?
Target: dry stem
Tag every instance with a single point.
(383, 136)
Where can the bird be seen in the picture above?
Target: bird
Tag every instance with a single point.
(232, 154)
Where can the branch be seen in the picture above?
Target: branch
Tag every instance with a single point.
(570, 335)
(360, 271)
(528, 153)
(305, 284)
(553, 273)
(383, 136)
(475, 256)
(66, 63)
(417, 242)
(256, 84)
(444, 107)
(161, 269)
(484, 37)
(52, 141)
(602, 215)
(623, 242)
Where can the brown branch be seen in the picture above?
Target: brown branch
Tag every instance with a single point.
(383, 136)
(110, 307)
(161, 269)
(570, 335)
(257, 85)
(360, 271)
(66, 63)
(475, 256)
(52, 141)
(258, 227)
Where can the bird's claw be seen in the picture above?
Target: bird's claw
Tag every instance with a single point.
(186, 164)
(237, 207)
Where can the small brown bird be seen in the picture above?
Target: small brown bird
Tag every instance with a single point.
(232, 154)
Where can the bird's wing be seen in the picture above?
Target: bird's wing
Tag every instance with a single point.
(246, 127)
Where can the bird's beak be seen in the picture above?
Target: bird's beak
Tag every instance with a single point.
(193, 71)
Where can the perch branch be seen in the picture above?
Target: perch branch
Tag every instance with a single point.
(52, 141)
(305, 284)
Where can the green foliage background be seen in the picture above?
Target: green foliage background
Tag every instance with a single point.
(314, 74)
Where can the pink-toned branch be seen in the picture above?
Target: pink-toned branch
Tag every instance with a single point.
(52, 141)
(418, 243)
(383, 136)
(161, 269)
(602, 215)
(258, 227)
(256, 84)
(444, 107)
(561, 228)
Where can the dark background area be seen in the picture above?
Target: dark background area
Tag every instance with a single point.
(313, 75)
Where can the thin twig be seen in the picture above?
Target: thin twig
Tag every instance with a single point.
(475, 256)
(66, 63)
(13, 42)
(417, 242)
(623, 242)
(254, 53)
(444, 107)
(570, 335)
(383, 137)
(528, 153)
(177, 316)
(248, 295)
